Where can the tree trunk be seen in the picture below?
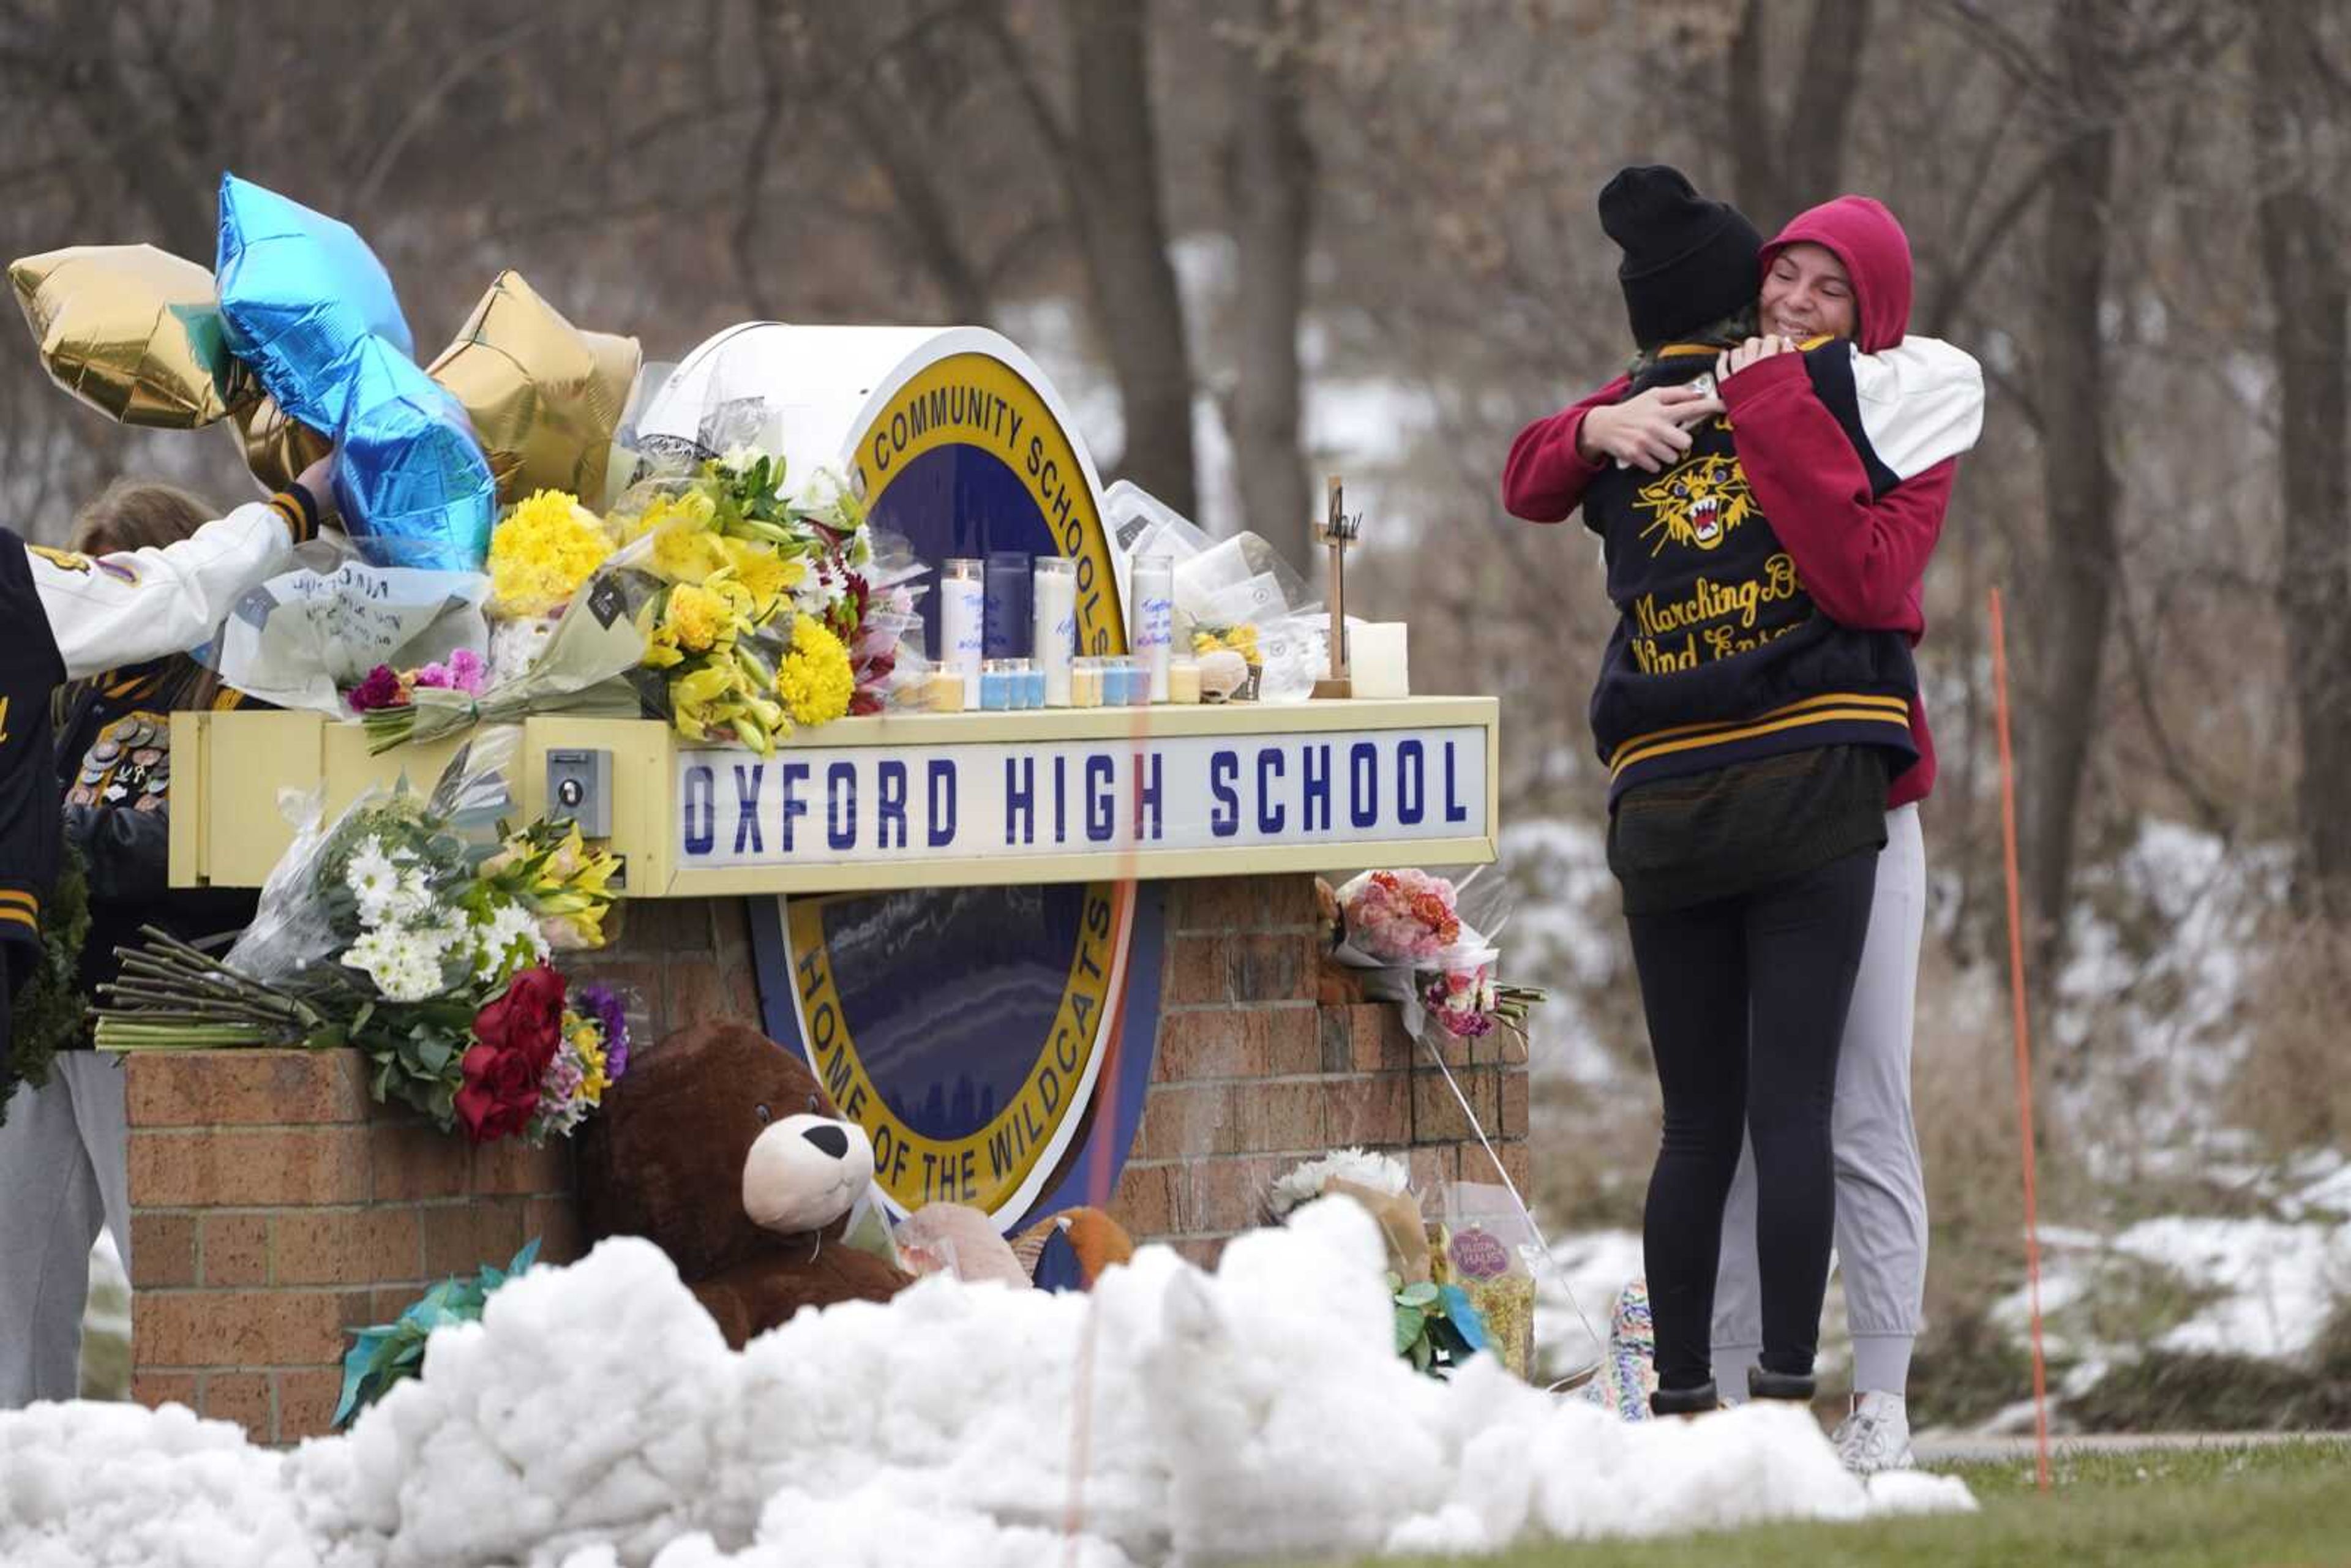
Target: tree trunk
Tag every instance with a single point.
(2077, 473)
(1122, 230)
(163, 142)
(1270, 191)
(1781, 166)
(2302, 254)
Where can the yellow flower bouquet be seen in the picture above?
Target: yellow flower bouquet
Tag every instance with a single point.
(548, 546)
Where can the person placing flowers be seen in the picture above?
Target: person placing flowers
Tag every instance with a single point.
(148, 579)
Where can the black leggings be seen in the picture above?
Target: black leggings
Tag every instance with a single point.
(1746, 998)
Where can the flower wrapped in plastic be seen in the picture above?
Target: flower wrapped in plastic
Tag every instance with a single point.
(580, 665)
(1403, 916)
(416, 931)
(773, 608)
(305, 639)
(1413, 932)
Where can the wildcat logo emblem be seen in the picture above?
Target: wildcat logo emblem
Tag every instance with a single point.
(1696, 504)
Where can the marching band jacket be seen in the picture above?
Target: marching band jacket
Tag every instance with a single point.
(1852, 455)
(70, 616)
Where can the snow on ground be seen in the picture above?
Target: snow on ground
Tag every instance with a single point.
(1590, 1269)
(2280, 1281)
(2152, 996)
(2257, 1287)
(594, 1418)
(2269, 1284)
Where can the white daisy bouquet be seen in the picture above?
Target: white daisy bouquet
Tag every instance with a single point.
(408, 932)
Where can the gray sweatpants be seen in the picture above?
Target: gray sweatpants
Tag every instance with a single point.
(63, 1172)
(1881, 1190)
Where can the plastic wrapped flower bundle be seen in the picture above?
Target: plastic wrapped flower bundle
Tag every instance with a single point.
(543, 553)
(1399, 916)
(556, 632)
(406, 931)
(385, 688)
(772, 611)
(1411, 925)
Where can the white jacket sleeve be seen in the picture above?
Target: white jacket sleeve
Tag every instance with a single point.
(136, 605)
(1922, 400)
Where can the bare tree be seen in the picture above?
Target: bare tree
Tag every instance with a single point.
(1107, 153)
(2301, 244)
(1270, 191)
(1784, 162)
(2076, 464)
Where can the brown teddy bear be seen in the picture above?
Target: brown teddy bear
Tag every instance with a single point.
(721, 1147)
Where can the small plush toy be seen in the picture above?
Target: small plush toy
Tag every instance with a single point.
(721, 1147)
(956, 1239)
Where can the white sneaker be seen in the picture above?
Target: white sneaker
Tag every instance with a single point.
(1876, 1436)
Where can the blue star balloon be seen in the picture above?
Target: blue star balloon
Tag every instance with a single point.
(300, 292)
(409, 472)
(310, 308)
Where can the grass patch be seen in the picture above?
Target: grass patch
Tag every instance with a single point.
(2189, 1508)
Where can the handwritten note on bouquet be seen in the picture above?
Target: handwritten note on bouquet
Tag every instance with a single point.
(299, 640)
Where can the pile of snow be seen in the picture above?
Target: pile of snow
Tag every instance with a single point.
(594, 1418)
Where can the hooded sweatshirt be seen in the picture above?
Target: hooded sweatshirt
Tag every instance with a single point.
(1850, 453)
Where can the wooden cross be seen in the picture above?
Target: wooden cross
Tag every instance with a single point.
(1337, 531)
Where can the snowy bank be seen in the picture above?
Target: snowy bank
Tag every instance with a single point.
(595, 1418)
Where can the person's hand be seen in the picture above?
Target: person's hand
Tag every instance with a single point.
(1646, 432)
(319, 481)
(1737, 360)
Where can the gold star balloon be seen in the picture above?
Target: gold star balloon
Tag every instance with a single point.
(136, 333)
(277, 446)
(544, 396)
(131, 330)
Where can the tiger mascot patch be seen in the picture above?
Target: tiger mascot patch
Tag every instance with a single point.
(1696, 504)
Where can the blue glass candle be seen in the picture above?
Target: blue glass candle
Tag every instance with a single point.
(995, 685)
(1009, 627)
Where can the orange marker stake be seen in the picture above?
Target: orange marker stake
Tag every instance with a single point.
(2024, 1037)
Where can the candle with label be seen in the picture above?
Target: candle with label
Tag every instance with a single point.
(1154, 622)
(1053, 596)
(1007, 632)
(963, 618)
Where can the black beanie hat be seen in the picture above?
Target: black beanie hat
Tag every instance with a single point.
(1688, 262)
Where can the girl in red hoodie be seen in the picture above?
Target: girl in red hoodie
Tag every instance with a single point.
(1851, 457)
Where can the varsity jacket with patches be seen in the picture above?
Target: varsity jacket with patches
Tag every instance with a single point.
(68, 617)
(114, 773)
(1818, 437)
(1719, 655)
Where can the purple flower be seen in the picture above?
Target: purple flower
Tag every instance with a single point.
(614, 1019)
(433, 675)
(380, 690)
(466, 671)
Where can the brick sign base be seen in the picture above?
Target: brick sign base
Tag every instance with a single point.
(274, 1208)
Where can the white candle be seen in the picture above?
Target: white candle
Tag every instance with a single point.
(963, 623)
(1053, 601)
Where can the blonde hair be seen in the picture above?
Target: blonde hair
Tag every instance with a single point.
(146, 514)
